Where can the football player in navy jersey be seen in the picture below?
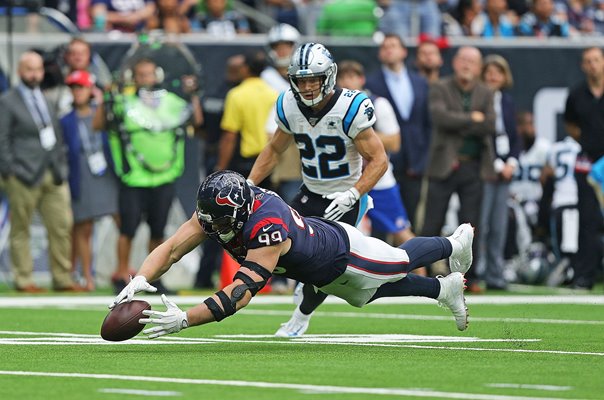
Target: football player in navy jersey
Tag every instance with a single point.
(266, 236)
(333, 129)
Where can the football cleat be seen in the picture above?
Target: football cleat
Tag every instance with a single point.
(461, 240)
(296, 326)
(451, 297)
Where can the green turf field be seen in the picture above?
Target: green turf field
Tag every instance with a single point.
(50, 349)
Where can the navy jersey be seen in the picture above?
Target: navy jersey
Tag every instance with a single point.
(319, 248)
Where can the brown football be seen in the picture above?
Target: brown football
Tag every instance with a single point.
(122, 322)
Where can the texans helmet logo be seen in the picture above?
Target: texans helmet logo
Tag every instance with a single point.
(231, 199)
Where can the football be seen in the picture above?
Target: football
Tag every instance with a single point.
(122, 322)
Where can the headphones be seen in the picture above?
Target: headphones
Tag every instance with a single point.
(128, 74)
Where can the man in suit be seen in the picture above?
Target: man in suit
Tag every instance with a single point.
(407, 91)
(461, 151)
(34, 170)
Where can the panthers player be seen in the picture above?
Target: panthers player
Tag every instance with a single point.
(333, 131)
(266, 236)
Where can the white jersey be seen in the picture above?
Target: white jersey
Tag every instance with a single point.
(386, 124)
(562, 158)
(526, 185)
(271, 76)
(330, 160)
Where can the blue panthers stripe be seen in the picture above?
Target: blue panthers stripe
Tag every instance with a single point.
(363, 208)
(281, 111)
(352, 111)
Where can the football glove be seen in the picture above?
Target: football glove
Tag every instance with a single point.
(137, 284)
(172, 320)
(341, 204)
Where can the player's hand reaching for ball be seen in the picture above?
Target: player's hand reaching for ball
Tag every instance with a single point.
(137, 284)
(172, 320)
(341, 204)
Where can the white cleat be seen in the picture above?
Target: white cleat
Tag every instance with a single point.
(461, 240)
(298, 296)
(296, 326)
(451, 297)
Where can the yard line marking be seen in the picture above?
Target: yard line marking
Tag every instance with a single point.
(529, 386)
(425, 317)
(71, 301)
(291, 386)
(158, 393)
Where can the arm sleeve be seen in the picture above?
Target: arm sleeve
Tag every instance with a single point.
(280, 116)
(360, 115)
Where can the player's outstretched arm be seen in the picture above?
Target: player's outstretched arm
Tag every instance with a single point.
(268, 158)
(249, 279)
(186, 238)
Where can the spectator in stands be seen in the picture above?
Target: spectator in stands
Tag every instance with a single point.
(459, 21)
(348, 18)
(496, 73)
(584, 122)
(595, 13)
(429, 60)
(493, 21)
(401, 15)
(122, 15)
(407, 91)
(246, 110)
(93, 187)
(542, 22)
(461, 150)
(282, 11)
(34, 171)
(169, 17)
(308, 12)
(220, 22)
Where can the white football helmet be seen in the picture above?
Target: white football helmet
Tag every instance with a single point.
(309, 60)
(281, 33)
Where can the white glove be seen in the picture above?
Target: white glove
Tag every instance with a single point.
(137, 284)
(173, 320)
(341, 204)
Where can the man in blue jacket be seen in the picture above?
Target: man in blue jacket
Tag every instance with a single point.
(407, 91)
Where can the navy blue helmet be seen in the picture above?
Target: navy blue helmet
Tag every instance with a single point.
(224, 203)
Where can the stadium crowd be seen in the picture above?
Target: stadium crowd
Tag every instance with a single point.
(461, 137)
(407, 18)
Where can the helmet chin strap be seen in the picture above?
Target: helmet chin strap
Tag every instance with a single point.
(314, 101)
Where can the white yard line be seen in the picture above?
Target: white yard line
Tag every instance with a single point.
(551, 388)
(153, 393)
(351, 340)
(289, 386)
(424, 317)
(70, 301)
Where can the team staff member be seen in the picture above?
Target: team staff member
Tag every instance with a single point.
(246, 110)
